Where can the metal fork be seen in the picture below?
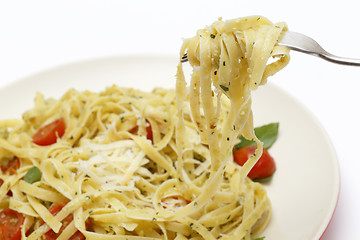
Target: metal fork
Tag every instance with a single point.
(302, 43)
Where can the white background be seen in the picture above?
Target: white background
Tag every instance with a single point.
(35, 35)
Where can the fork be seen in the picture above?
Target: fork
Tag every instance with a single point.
(302, 43)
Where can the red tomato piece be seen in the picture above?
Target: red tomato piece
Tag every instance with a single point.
(49, 133)
(56, 208)
(10, 224)
(77, 236)
(9, 193)
(149, 134)
(11, 167)
(264, 167)
(51, 235)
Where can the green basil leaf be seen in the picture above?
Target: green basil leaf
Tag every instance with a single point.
(266, 133)
(263, 180)
(33, 175)
(244, 142)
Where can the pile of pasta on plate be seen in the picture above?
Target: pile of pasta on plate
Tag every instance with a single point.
(128, 164)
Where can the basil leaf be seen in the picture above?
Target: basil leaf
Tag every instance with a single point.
(244, 142)
(266, 133)
(263, 180)
(33, 175)
(259, 238)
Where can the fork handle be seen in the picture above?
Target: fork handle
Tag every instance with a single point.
(302, 43)
(340, 60)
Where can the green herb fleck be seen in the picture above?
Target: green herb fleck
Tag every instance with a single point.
(224, 88)
(33, 175)
(212, 36)
(223, 63)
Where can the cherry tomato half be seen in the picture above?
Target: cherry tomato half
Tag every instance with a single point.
(10, 224)
(48, 134)
(51, 235)
(265, 166)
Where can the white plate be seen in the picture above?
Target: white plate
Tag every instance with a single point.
(305, 187)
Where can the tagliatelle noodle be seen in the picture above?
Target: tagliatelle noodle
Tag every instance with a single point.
(181, 184)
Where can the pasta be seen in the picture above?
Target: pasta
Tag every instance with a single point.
(149, 165)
